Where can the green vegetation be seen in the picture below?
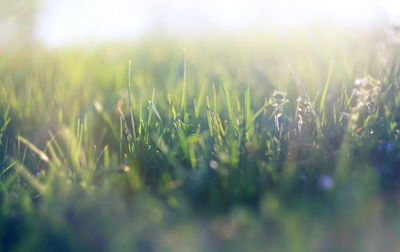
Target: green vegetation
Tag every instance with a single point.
(279, 143)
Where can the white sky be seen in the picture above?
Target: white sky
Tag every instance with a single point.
(64, 21)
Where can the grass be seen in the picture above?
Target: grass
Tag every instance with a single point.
(228, 144)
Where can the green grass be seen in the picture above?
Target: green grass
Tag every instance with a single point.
(255, 143)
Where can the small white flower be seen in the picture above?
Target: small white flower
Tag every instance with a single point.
(213, 164)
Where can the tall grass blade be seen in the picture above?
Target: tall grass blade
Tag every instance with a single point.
(130, 100)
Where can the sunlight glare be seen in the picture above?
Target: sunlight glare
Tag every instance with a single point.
(65, 21)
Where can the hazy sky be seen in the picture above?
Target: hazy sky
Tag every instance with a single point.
(63, 21)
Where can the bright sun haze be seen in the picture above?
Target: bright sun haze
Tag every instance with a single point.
(64, 21)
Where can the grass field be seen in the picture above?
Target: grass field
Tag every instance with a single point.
(244, 143)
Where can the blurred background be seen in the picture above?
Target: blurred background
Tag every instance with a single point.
(270, 125)
(62, 22)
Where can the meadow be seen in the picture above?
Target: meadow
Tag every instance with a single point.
(285, 142)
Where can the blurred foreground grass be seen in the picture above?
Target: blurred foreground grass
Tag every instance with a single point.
(276, 143)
